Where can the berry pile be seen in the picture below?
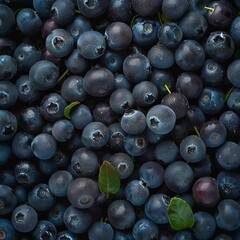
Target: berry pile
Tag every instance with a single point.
(112, 111)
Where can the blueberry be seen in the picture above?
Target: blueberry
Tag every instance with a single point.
(177, 102)
(230, 120)
(21, 145)
(170, 34)
(8, 125)
(178, 177)
(62, 130)
(232, 73)
(8, 200)
(26, 55)
(116, 136)
(28, 21)
(121, 214)
(6, 229)
(233, 100)
(118, 35)
(194, 25)
(195, 115)
(161, 57)
(174, 9)
(41, 198)
(220, 46)
(161, 79)
(44, 146)
(183, 235)
(92, 9)
(204, 225)
(58, 183)
(213, 133)
(227, 215)
(119, 10)
(56, 213)
(98, 82)
(145, 31)
(228, 156)
(44, 75)
(8, 94)
(95, 135)
(135, 145)
(100, 230)
(212, 73)
(228, 183)
(8, 67)
(45, 230)
(76, 220)
(192, 149)
(166, 152)
(234, 30)
(145, 229)
(52, 107)
(43, 7)
(205, 192)
(136, 67)
(103, 113)
(26, 91)
(136, 192)
(67, 235)
(112, 60)
(202, 168)
(91, 44)
(5, 153)
(21, 194)
(161, 119)
(62, 12)
(84, 163)
(222, 14)
(189, 55)
(123, 164)
(186, 81)
(31, 120)
(83, 192)
(76, 64)
(7, 20)
(143, 8)
(59, 43)
(133, 122)
(121, 100)
(24, 218)
(26, 173)
(156, 208)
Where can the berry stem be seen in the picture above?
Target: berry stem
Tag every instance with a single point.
(228, 93)
(131, 24)
(77, 11)
(209, 9)
(63, 75)
(167, 88)
(196, 130)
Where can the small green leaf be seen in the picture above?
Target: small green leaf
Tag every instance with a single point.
(228, 93)
(68, 109)
(180, 214)
(108, 179)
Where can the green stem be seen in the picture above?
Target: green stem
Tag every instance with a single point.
(131, 24)
(159, 17)
(167, 88)
(196, 130)
(228, 93)
(63, 75)
(77, 12)
(209, 9)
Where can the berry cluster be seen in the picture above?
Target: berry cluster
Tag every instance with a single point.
(110, 109)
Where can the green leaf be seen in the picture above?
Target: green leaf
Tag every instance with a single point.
(180, 214)
(108, 179)
(68, 109)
